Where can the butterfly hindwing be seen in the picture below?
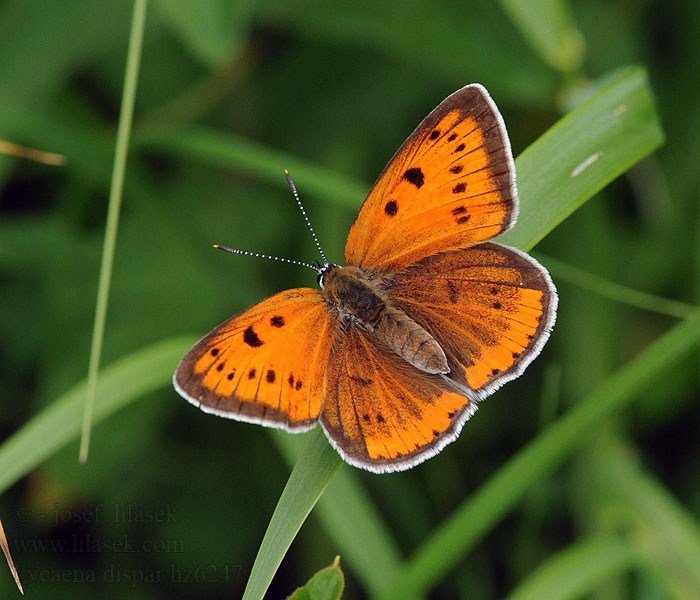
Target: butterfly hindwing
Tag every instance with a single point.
(490, 307)
(265, 365)
(381, 413)
(450, 185)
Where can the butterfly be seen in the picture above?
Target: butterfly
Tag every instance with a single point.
(428, 316)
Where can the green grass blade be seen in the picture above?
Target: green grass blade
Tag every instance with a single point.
(133, 60)
(351, 521)
(501, 492)
(229, 151)
(614, 291)
(579, 569)
(310, 476)
(582, 153)
(119, 384)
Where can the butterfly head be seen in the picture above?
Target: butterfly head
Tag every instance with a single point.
(323, 271)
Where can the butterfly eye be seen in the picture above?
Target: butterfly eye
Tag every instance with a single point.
(324, 271)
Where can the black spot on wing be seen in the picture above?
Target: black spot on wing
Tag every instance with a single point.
(290, 380)
(214, 352)
(459, 210)
(463, 220)
(456, 169)
(452, 137)
(270, 376)
(391, 208)
(277, 321)
(414, 176)
(459, 188)
(459, 148)
(497, 305)
(251, 338)
(434, 134)
(230, 375)
(297, 385)
(251, 373)
(220, 366)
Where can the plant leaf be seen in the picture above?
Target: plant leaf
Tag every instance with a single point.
(310, 476)
(119, 384)
(326, 584)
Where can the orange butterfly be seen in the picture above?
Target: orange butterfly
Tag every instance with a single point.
(392, 354)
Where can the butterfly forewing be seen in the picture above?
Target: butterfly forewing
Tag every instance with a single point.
(490, 307)
(451, 185)
(265, 365)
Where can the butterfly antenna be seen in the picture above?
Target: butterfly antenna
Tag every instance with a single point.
(306, 218)
(267, 256)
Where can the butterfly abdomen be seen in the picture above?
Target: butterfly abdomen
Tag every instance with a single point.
(360, 301)
(410, 341)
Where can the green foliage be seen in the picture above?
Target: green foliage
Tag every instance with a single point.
(579, 477)
(327, 584)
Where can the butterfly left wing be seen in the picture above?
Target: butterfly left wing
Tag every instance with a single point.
(490, 308)
(266, 365)
(381, 413)
(450, 185)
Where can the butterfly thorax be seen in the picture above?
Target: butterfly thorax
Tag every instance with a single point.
(361, 300)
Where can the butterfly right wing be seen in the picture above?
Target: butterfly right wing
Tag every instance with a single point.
(265, 365)
(490, 307)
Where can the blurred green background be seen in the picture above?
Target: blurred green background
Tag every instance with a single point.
(181, 499)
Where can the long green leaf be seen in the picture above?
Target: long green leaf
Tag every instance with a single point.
(119, 384)
(133, 61)
(308, 479)
(614, 291)
(216, 148)
(352, 521)
(582, 153)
